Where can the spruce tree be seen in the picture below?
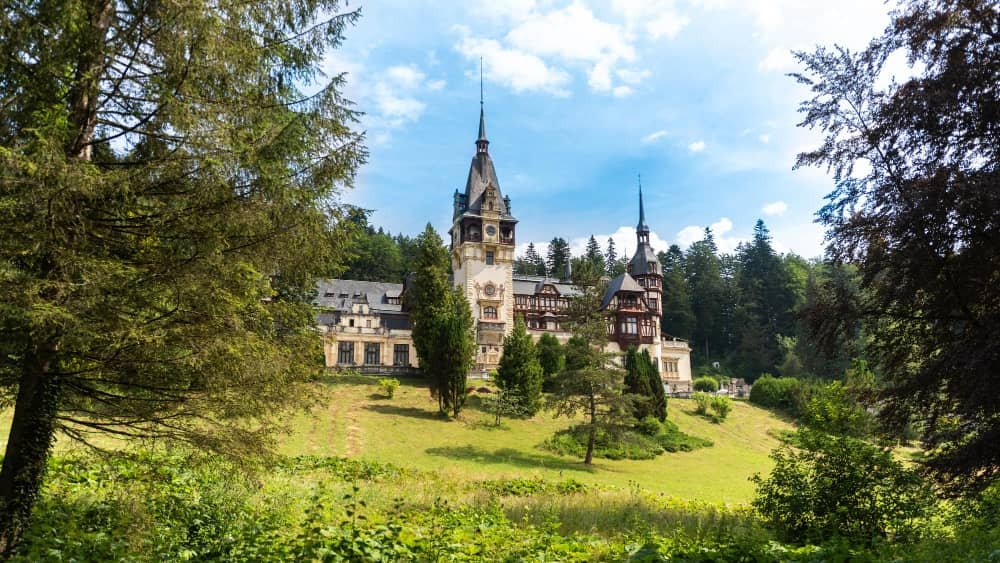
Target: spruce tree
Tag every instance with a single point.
(678, 318)
(427, 299)
(558, 257)
(519, 370)
(551, 357)
(594, 255)
(643, 382)
(610, 257)
(703, 271)
(168, 190)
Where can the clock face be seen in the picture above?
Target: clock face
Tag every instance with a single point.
(490, 289)
(491, 230)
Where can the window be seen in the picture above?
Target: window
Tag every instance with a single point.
(401, 355)
(345, 354)
(368, 323)
(629, 326)
(350, 322)
(489, 312)
(489, 257)
(653, 304)
(372, 354)
(484, 349)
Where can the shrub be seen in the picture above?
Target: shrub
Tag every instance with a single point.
(837, 486)
(649, 426)
(671, 439)
(722, 406)
(706, 383)
(388, 385)
(702, 402)
(775, 392)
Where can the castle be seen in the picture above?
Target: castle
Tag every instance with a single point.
(365, 325)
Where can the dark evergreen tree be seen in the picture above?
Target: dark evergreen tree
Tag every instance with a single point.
(704, 279)
(558, 257)
(921, 220)
(765, 307)
(643, 382)
(428, 301)
(551, 357)
(611, 258)
(678, 318)
(594, 254)
(454, 351)
(169, 199)
(519, 370)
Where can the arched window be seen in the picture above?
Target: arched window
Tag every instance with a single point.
(489, 312)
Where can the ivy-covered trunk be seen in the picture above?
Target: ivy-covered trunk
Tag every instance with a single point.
(28, 446)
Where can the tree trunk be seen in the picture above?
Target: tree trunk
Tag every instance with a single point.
(593, 434)
(31, 434)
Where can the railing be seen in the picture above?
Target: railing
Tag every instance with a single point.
(378, 369)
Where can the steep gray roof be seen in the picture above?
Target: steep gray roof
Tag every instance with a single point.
(339, 295)
(623, 282)
(530, 285)
(481, 174)
(643, 257)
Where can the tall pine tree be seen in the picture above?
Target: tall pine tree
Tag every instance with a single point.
(519, 370)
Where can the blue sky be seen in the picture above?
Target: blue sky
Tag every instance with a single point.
(583, 96)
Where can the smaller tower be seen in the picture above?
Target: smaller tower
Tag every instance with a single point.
(645, 267)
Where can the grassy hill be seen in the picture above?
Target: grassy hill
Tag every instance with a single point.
(357, 421)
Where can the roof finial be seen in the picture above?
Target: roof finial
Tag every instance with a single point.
(481, 142)
(642, 211)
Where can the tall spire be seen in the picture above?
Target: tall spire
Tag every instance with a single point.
(641, 227)
(481, 143)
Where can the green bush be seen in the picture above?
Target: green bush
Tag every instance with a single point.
(650, 426)
(520, 487)
(706, 383)
(702, 402)
(388, 385)
(671, 439)
(837, 486)
(721, 406)
(624, 443)
(775, 392)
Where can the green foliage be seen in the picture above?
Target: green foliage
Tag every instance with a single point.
(721, 406)
(504, 403)
(833, 409)
(650, 439)
(775, 392)
(558, 257)
(551, 357)
(838, 486)
(519, 370)
(702, 402)
(342, 468)
(388, 386)
(643, 382)
(705, 383)
(520, 487)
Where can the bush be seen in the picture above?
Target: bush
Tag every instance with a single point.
(702, 401)
(722, 406)
(706, 383)
(775, 392)
(625, 444)
(388, 385)
(650, 426)
(837, 486)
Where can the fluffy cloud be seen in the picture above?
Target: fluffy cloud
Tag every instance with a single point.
(654, 136)
(778, 59)
(513, 68)
(693, 233)
(658, 18)
(542, 43)
(697, 146)
(395, 94)
(774, 208)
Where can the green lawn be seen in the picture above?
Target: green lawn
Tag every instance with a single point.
(357, 421)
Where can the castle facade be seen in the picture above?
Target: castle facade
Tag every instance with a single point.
(366, 327)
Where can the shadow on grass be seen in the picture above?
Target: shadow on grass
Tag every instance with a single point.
(510, 456)
(411, 412)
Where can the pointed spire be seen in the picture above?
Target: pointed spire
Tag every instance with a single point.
(482, 143)
(642, 211)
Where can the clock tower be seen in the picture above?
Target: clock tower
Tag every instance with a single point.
(482, 253)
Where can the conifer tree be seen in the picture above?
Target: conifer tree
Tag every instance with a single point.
(643, 382)
(703, 271)
(167, 188)
(558, 257)
(610, 258)
(427, 299)
(551, 357)
(594, 254)
(519, 370)
(678, 318)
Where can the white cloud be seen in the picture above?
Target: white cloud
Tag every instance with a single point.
(658, 18)
(621, 91)
(654, 136)
(395, 94)
(633, 77)
(693, 233)
(778, 59)
(435, 85)
(774, 208)
(764, 138)
(697, 146)
(513, 68)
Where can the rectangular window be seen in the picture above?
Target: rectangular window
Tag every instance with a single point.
(653, 304)
(345, 354)
(630, 326)
(368, 323)
(401, 355)
(489, 257)
(372, 354)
